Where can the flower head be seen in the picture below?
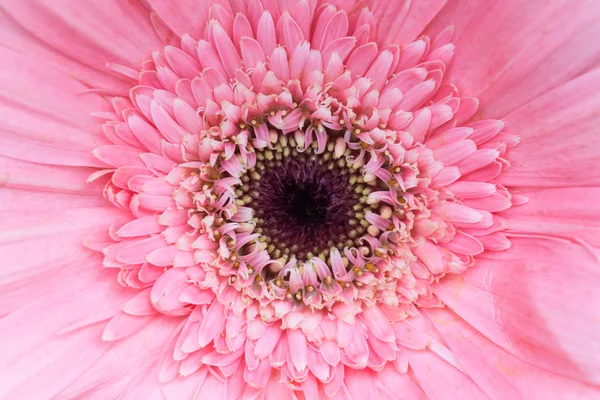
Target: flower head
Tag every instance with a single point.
(302, 204)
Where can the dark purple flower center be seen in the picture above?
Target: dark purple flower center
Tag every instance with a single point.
(304, 203)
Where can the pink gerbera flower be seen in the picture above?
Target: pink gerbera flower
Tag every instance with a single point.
(299, 199)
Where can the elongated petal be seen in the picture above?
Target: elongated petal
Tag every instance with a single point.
(529, 316)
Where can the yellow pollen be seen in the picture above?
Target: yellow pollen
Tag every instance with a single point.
(372, 268)
(379, 253)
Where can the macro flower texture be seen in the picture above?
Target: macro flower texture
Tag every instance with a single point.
(300, 199)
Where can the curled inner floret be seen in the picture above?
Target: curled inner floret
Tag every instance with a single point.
(297, 217)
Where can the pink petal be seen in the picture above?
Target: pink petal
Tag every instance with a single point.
(186, 16)
(212, 324)
(45, 153)
(227, 51)
(163, 257)
(21, 225)
(292, 33)
(136, 252)
(380, 69)
(410, 337)
(118, 156)
(493, 203)
(508, 377)
(46, 57)
(13, 200)
(357, 349)
(361, 58)
(140, 304)
(455, 152)
(559, 145)
(455, 212)
(446, 176)
(331, 353)
(145, 133)
(259, 376)
(59, 352)
(79, 354)
(183, 65)
(526, 54)
(241, 28)
(46, 107)
(167, 126)
(141, 227)
(123, 325)
(342, 46)
(297, 348)
(472, 190)
(549, 211)
(336, 28)
(485, 130)
(495, 241)
(266, 343)
(67, 180)
(265, 33)
(317, 365)
(430, 255)
(464, 244)
(479, 159)
(533, 299)
(403, 21)
(448, 379)
(279, 64)
(392, 382)
(277, 390)
(378, 324)
(361, 383)
(166, 292)
(137, 360)
(125, 33)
